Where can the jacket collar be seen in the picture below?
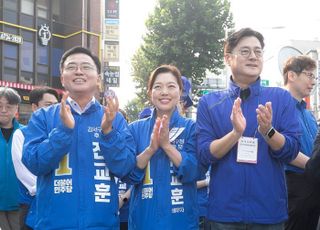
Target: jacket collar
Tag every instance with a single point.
(255, 88)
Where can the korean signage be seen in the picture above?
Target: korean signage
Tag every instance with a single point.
(111, 51)
(112, 9)
(112, 76)
(112, 29)
(11, 38)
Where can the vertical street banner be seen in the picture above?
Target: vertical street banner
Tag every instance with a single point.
(111, 49)
(112, 76)
(111, 29)
(112, 9)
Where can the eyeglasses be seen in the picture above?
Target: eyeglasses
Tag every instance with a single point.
(310, 75)
(83, 67)
(246, 52)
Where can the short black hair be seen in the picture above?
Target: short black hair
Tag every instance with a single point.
(11, 95)
(36, 94)
(82, 50)
(233, 40)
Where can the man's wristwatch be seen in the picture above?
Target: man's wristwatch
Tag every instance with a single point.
(270, 132)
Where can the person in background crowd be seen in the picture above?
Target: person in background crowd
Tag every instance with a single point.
(9, 188)
(185, 99)
(146, 112)
(164, 193)
(38, 98)
(76, 149)
(247, 152)
(203, 174)
(124, 194)
(303, 198)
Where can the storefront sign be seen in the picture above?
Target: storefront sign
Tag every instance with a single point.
(11, 38)
(112, 76)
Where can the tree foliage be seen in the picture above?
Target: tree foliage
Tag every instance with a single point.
(133, 108)
(185, 33)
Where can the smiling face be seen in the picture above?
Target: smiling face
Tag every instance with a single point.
(165, 93)
(79, 75)
(245, 61)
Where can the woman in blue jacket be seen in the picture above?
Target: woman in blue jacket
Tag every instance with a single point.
(164, 192)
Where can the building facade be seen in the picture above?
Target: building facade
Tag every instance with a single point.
(35, 33)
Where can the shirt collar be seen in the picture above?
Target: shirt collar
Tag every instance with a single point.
(75, 106)
(254, 87)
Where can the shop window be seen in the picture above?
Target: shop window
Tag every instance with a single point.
(10, 16)
(26, 77)
(26, 20)
(10, 75)
(27, 7)
(42, 79)
(10, 4)
(42, 69)
(10, 30)
(42, 8)
(27, 56)
(42, 55)
(55, 59)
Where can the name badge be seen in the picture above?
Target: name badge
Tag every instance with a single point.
(247, 150)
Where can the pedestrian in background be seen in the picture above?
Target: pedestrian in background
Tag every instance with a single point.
(9, 188)
(303, 195)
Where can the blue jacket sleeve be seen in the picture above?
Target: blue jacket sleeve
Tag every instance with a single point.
(118, 148)
(137, 175)
(43, 151)
(287, 123)
(187, 170)
(205, 133)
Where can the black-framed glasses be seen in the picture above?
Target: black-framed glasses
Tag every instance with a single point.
(310, 75)
(246, 52)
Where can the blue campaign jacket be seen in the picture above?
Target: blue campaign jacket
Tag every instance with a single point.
(9, 186)
(164, 196)
(242, 192)
(309, 130)
(76, 168)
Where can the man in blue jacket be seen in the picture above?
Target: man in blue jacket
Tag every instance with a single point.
(38, 98)
(76, 149)
(299, 79)
(9, 188)
(247, 152)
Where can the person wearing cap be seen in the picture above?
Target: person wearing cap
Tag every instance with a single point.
(247, 133)
(9, 186)
(164, 194)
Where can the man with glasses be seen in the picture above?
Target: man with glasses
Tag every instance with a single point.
(9, 188)
(76, 149)
(247, 152)
(299, 79)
